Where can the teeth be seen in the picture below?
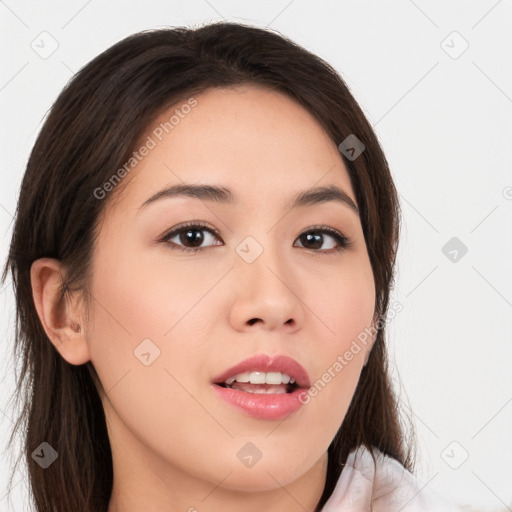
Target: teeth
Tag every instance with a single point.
(261, 378)
(276, 378)
(257, 378)
(243, 377)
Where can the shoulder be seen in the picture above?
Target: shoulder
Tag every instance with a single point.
(383, 486)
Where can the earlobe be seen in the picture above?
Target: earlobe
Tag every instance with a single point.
(60, 318)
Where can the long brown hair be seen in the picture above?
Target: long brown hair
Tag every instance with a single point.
(91, 131)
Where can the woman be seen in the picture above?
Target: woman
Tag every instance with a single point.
(202, 257)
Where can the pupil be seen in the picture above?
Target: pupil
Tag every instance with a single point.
(193, 237)
(313, 238)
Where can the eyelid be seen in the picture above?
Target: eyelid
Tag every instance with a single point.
(344, 242)
(176, 230)
(190, 224)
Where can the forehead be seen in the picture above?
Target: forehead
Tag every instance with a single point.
(260, 143)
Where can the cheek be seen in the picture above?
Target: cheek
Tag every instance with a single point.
(149, 324)
(127, 309)
(347, 305)
(138, 299)
(346, 310)
(148, 345)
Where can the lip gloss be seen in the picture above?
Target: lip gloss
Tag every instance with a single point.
(262, 405)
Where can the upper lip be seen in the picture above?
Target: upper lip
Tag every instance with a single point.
(265, 363)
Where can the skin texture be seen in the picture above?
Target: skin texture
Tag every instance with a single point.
(174, 442)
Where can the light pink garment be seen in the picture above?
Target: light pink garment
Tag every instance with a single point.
(388, 487)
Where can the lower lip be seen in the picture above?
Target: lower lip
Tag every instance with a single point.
(260, 405)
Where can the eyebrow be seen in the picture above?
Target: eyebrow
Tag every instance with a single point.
(309, 197)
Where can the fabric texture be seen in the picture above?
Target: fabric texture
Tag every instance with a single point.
(382, 487)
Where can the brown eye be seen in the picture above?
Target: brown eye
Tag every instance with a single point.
(191, 237)
(195, 237)
(323, 239)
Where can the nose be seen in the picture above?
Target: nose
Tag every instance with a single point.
(266, 295)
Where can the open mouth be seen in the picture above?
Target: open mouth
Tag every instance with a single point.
(258, 382)
(262, 387)
(269, 389)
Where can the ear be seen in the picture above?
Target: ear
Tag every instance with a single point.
(61, 318)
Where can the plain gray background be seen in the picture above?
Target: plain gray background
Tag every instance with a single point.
(435, 80)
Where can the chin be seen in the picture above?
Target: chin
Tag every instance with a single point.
(259, 478)
(271, 471)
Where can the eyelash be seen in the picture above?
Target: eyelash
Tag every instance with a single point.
(344, 242)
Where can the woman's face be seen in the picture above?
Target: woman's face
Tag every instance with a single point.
(265, 280)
